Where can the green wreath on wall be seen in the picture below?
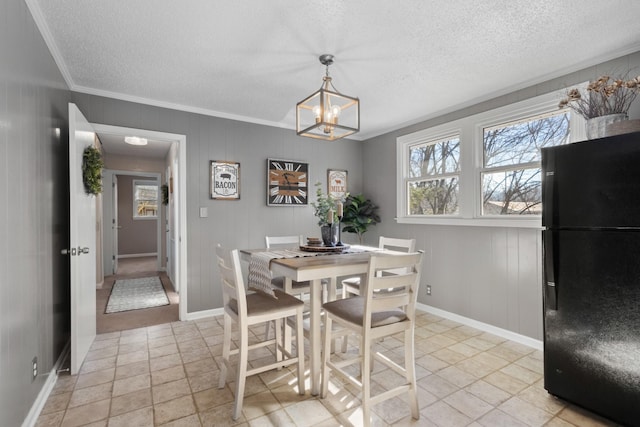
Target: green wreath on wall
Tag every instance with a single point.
(92, 165)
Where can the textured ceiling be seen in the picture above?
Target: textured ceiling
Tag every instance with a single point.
(252, 60)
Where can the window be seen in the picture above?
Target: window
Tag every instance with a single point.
(433, 177)
(145, 199)
(510, 176)
(482, 169)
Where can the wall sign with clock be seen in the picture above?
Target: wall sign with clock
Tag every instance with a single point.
(287, 183)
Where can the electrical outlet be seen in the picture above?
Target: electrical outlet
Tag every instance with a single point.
(428, 289)
(34, 368)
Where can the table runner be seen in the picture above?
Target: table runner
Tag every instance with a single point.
(260, 271)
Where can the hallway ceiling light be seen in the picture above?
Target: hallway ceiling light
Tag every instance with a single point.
(134, 140)
(327, 114)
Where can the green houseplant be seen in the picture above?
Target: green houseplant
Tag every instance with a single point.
(359, 214)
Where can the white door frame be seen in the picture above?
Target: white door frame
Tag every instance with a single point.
(181, 141)
(109, 173)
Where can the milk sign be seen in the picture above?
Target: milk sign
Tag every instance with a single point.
(225, 180)
(337, 183)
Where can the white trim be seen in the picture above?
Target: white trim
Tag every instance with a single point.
(204, 314)
(181, 140)
(47, 387)
(138, 255)
(41, 23)
(532, 221)
(470, 131)
(503, 333)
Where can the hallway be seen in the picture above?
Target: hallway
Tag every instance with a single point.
(132, 268)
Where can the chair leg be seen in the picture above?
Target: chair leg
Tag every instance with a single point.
(326, 354)
(365, 371)
(278, 332)
(345, 338)
(242, 371)
(226, 349)
(300, 351)
(267, 328)
(409, 365)
(287, 336)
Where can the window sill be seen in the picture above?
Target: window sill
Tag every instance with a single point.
(515, 222)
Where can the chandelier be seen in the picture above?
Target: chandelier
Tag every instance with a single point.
(327, 114)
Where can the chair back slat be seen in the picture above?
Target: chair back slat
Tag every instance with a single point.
(232, 280)
(399, 245)
(401, 289)
(282, 242)
(402, 245)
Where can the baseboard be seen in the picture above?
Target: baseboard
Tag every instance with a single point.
(137, 255)
(504, 333)
(205, 313)
(45, 391)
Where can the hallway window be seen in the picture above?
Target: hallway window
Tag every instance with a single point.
(145, 200)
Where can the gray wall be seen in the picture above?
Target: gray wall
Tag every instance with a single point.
(135, 236)
(34, 277)
(245, 222)
(493, 275)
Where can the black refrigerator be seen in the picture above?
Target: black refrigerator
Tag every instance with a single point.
(591, 289)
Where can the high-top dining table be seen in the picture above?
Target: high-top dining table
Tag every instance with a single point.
(314, 269)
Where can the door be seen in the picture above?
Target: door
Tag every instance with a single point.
(82, 219)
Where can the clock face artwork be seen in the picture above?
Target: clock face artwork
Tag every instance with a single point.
(287, 183)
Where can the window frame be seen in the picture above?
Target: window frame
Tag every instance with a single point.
(470, 130)
(455, 174)
(134, 201)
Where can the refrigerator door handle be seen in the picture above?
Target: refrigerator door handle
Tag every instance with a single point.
(550, 288)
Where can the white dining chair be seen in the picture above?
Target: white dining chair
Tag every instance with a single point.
(250, 309)
(285, 285)
(374, 315)
(351, 285)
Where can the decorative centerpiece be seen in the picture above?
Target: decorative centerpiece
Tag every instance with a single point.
(326, 209)
(607, 100)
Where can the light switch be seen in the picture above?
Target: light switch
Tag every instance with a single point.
(204, 212)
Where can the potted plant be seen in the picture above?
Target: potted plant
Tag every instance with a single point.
(607, 100)
(359, 214)
(325, 209)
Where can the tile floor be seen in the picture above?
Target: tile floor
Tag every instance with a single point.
(167, 375)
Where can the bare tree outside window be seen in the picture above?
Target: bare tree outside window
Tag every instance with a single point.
(434, 169)
(145, 200)
(511, 182)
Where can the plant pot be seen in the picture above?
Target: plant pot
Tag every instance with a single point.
(329, 234)
(622, 127)
(597, 126)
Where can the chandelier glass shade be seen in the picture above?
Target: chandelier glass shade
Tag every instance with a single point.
(327, 114)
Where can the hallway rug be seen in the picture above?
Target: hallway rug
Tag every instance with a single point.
(134, 294)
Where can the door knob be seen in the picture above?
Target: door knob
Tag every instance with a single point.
(71, 251)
